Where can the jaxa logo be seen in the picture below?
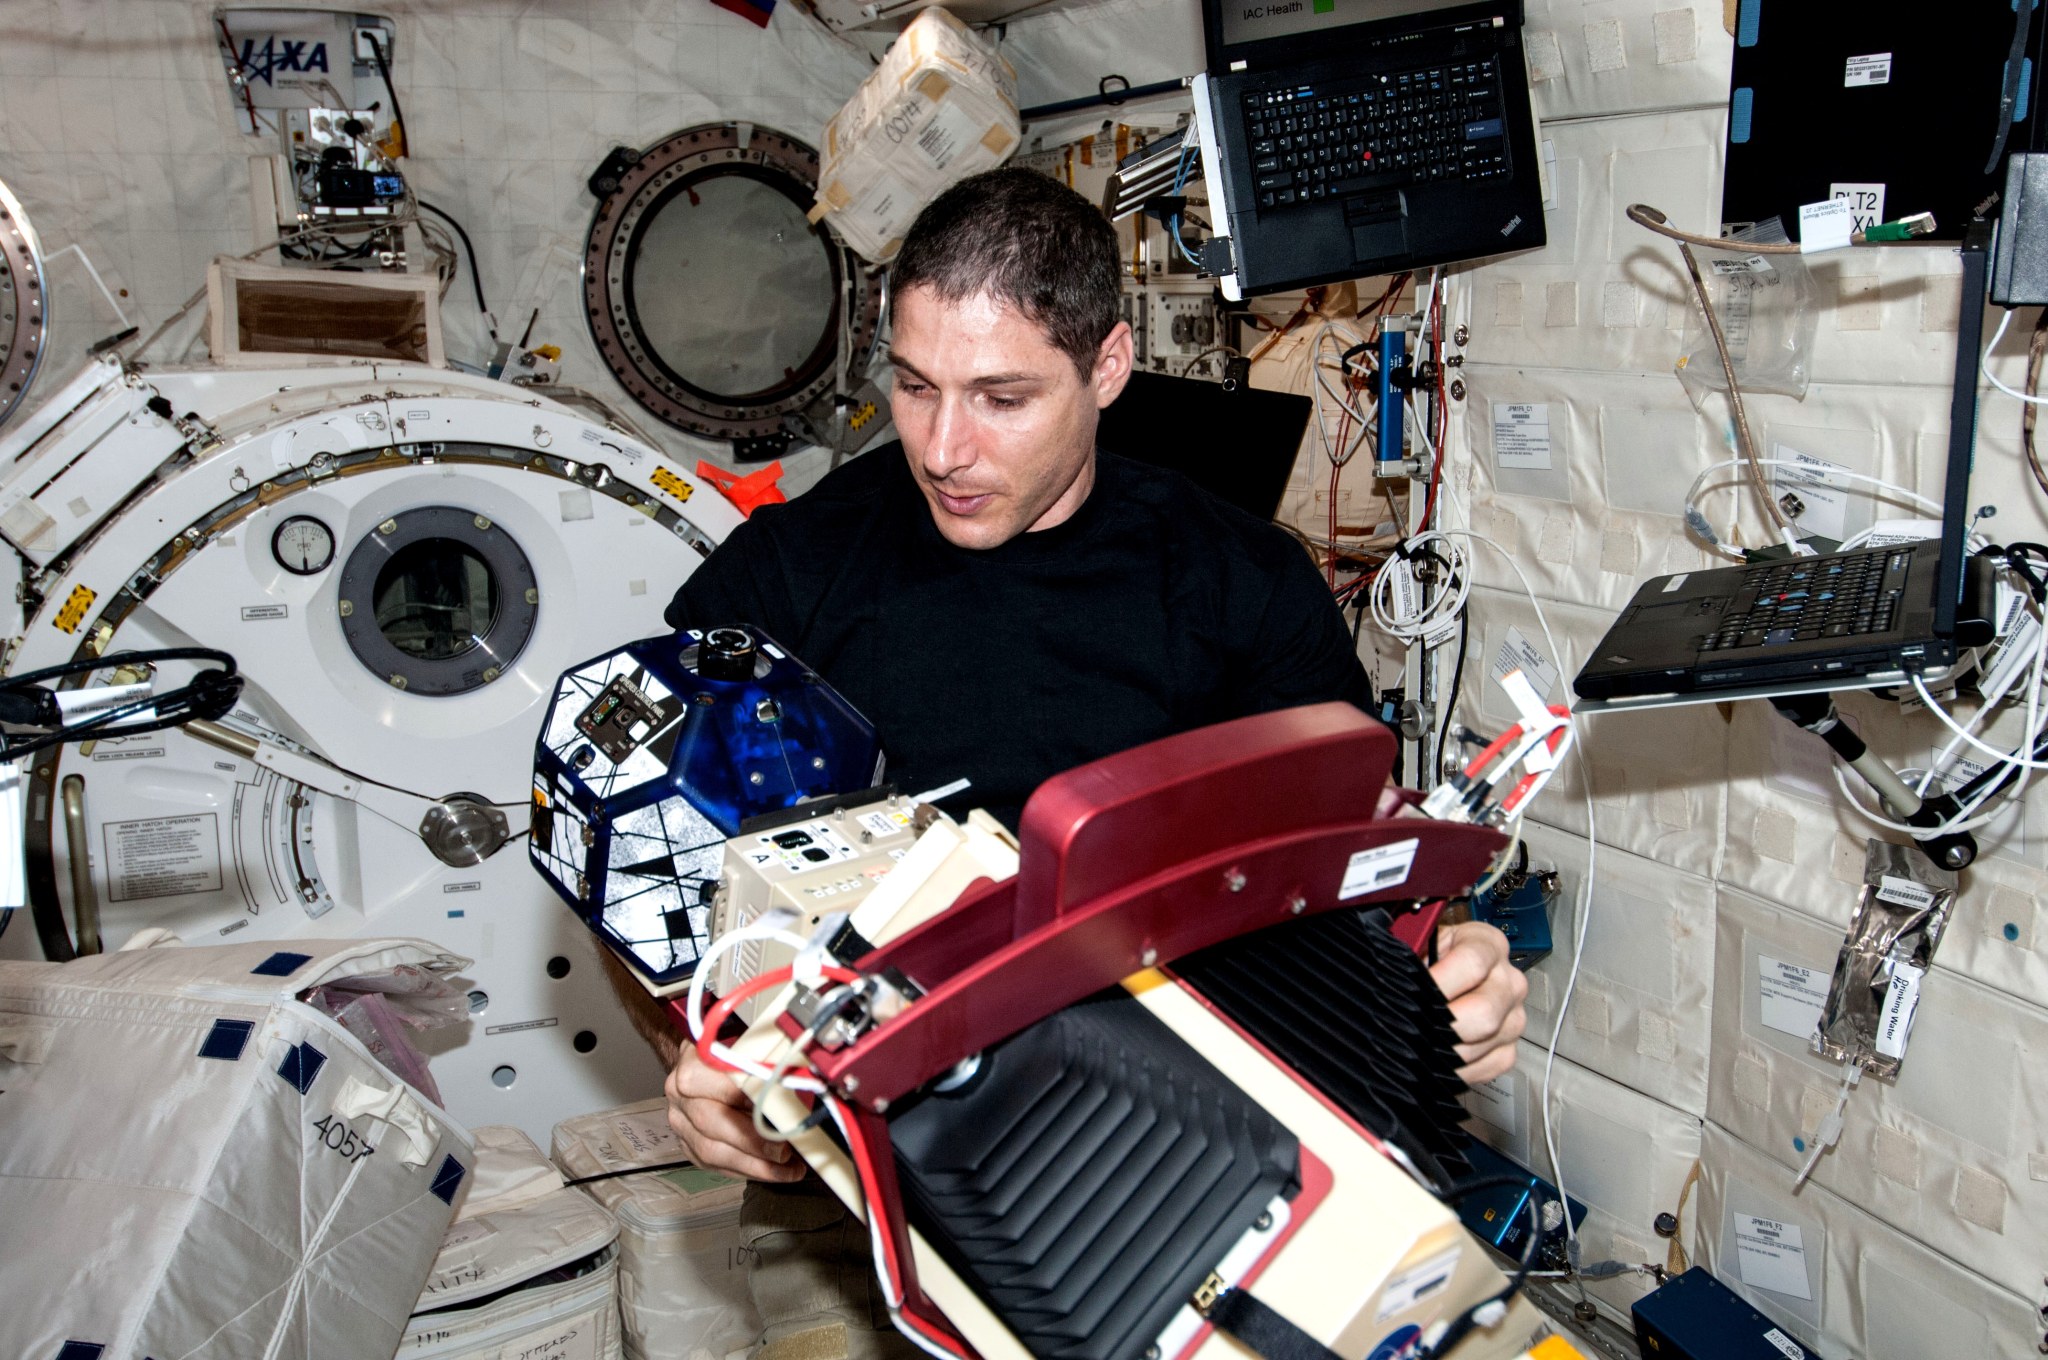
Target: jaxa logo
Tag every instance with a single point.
(280, 56)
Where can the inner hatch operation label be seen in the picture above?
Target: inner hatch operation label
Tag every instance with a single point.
(162, 856)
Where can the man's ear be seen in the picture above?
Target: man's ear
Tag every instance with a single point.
(1113, 365)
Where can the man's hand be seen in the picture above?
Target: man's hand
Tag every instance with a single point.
(716, 1125)
(1486, 994)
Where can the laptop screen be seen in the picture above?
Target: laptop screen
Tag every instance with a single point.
(1250, 21)
(1241, 30)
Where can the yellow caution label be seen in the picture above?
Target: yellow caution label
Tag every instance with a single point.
(664, 480)
(863, 415)
(1555, 1348)
(73, 613)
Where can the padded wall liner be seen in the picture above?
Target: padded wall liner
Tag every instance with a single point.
(1089, 1176)
(1353, 1010)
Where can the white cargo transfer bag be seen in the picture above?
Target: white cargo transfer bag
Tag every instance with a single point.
(941, 106)
(683, 1264)
(527, 1271)
(194, 1165)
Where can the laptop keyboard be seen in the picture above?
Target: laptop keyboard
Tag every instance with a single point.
(1803, 599)
(1376, 132)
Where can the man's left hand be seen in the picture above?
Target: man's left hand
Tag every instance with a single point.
(1486, 994)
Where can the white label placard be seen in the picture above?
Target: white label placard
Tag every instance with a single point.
(642, 1138)
(1889, 533)
(1905, 892)
(1518, 653)
(1406, 603)
(1789, 997)
(1901, 999)
(1825, 225)
(1770, 1256)
(1417, 1283)
(1787, 1347)
(1874, 69)
(162, 856)
(572, 1340)
(1820, 491)
(1521, 435)
(1866, 202)
(1496, 1101)
(1375, 870)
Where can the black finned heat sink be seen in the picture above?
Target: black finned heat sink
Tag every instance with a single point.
(1350, 1008)
(1089, 1176)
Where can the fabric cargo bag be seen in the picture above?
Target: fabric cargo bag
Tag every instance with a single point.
(527, 1271)
(195, 1165)
(683, 1263)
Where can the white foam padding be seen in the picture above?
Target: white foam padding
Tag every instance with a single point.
(1945, 1154)
(1641, 1016)
(1626, 1158)
(1874, 1291)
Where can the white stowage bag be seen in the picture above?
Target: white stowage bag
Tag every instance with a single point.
(195, 1165)
(527, 1270)
(941, 106)
(683, 1288)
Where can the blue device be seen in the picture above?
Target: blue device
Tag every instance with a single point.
(653, 755)
(1393, 354)
(1518, 905)
(1498, 1215)
(1696, 1317)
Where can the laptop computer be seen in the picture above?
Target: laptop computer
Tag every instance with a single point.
(1238, 445)
(1345, 139)
(1851, 620)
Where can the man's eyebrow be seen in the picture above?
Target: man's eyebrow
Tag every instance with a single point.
(986, 380)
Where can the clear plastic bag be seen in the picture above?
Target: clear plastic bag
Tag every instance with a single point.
(1765, 307)
(379, 1010)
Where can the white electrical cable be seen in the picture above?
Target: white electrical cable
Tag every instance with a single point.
(1697, 518)
(1585, 895)
(1997, 336)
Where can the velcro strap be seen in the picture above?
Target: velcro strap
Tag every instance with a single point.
(1259, 1327)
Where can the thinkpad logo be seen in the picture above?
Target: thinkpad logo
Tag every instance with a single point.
(1513, 222)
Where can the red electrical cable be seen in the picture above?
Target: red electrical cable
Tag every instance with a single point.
(715, 1018)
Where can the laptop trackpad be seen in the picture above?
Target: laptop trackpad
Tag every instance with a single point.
(1380, 240)
(1379, 224)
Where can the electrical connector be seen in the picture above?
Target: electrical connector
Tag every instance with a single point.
(1905, 229)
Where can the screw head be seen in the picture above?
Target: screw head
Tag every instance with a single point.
(755, 778)
(490, 673)
(397, 681)
(1297, 904)
(1149, 957)
(1457, 389)
(817, 762)
(533, 594)
(1666, 1225)
(1584, 1311)
(1234, 879)
(347, 608)
(389, 526)
(1262, 1222)
(482, 524)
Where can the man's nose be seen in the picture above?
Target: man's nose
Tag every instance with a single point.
(951, 446)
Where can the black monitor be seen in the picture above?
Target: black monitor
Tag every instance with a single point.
(1239, 445)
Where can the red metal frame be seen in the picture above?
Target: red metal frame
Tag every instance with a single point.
(1132, 862)
(1141, 858)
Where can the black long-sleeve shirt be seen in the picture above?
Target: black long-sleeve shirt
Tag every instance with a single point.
(1154, 609)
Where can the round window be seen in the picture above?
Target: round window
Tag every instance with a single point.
(712, 297)
(437, 600)
(23, 322)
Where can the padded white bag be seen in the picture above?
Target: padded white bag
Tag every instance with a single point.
(194, 1165)
(683, 1288)
(527, 1270)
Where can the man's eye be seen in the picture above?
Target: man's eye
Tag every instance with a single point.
(912, 389)
(1006, 403)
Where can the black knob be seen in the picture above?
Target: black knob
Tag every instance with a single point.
(1666, 1225)
(727, 654)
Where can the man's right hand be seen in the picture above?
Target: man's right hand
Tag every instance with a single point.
(715, 1122)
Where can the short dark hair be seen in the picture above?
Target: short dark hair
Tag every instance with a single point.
(1026, 240)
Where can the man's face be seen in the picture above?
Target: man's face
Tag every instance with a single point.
(998, 425)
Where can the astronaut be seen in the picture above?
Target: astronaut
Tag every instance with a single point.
(1005, 602)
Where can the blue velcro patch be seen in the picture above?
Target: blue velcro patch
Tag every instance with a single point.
(227, 1039)
(1746, 20)
(1741, 105)
(448, 1180)
(2019, 108)
(281, 964)
(301, 1065)
(80, 1350)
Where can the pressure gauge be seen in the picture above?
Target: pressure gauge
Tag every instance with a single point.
(303, 545)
